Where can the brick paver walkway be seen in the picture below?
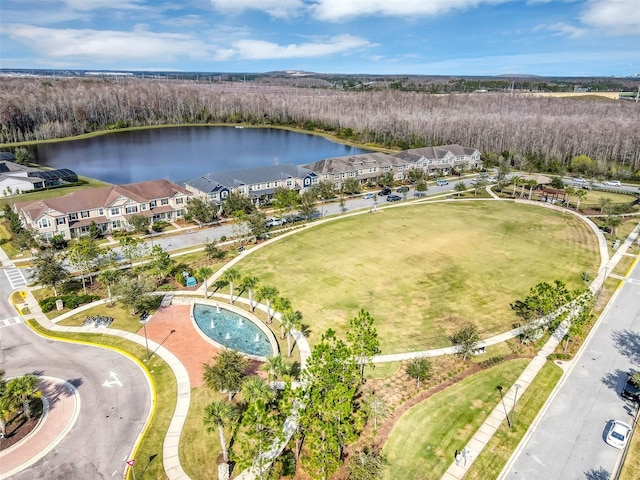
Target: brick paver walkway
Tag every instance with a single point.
(185, 342)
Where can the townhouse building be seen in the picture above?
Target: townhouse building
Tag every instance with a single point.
(366, 168)
(109, 207)
(259, 183)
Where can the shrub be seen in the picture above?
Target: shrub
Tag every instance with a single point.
(223, 238)
(491, 361)
(159, 226)
(560, 356)
(69, 301)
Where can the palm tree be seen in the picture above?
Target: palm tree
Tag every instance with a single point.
(268, 293)
(7, 411)
(532, 184)
(109, 278)
(230, 276)
(604, 203)
(249, 283)
(290, 321)
(613, 222)
(220, 414)
(580, 194)
(516, 180)
(281, 304)
(255, 388)
(202, 274)
(569, 191)
(275, 367)
(23, 390)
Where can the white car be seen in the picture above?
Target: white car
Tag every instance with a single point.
(367, 196)
(275, 222)
(579, 180)
(613, 183)
(618, 434)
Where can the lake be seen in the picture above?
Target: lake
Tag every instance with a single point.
(181, 153)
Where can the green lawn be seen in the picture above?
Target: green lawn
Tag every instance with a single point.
(424, 270)
(122, 320)
(426, 436)
(495, 455)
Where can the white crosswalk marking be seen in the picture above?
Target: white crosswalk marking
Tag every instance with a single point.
(7, 322)
(15, 277)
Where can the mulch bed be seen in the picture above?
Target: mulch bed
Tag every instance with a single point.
(19, 427)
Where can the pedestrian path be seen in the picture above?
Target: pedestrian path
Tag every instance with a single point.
(459, 467)
(7, 322)
(15, 277)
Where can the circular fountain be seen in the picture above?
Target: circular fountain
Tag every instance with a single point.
(234, 328)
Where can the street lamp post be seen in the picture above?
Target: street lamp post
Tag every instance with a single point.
(146, 340)
(515, 399)
(499, 387)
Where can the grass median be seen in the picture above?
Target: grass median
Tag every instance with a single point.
(427, 435)
(495, 455)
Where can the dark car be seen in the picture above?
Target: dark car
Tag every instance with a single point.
(630, 391)
(402, 189)
(384, 191)
(394, 198)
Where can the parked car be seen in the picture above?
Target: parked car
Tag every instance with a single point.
(579, 180)
(613, 183)
(393, 198)
(618, 434)
(384, 191)
(275, 222)
(367, 196)
(402, 189)
(441, 182)
(630, 391)
(492, 179)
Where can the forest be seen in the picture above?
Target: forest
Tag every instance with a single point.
(534, 132)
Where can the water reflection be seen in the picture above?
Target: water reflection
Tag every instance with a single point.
(184, 152)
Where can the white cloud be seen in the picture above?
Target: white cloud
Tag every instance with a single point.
(566, 30)
(109, 45)
(617, 17)
(261, 50)
(275, 8)
(104, 4)
(335, 10)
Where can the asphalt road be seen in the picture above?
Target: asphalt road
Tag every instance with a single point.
(114, 394)
(569, 441)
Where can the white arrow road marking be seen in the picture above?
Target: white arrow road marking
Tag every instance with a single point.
(112, 380)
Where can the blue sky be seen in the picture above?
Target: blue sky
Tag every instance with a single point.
(430, 37)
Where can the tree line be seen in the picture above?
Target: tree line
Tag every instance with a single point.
(542, 130)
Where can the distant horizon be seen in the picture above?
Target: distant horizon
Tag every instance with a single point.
(301, 73)
(552, 38)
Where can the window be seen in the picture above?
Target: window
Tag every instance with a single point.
(132, 209)
(101, 212)
(84, 214)
(61, 221)
(224, 194)
(164, 201)
(144, 206)
(315, 181)
(152, 204)
(44, 223)
(115, 211)
(385, 169)
(289, 183)
(352, 174)
(115, 224)
(336, 176)
(179, 213)
(73, 216)
(179, 201)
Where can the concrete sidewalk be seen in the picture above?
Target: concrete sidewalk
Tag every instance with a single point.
(457, 470)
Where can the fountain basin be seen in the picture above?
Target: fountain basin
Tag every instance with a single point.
(226, 326)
